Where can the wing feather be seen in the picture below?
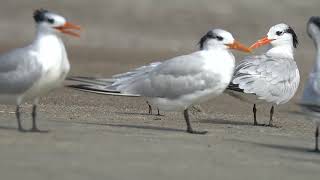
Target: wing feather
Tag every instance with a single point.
(272, 79)
(172, 78)
(19, 70)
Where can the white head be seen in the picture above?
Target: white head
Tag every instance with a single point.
(52, 22)
(279, 35)
(219, 38)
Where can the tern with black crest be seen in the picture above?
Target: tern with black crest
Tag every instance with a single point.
(310, 101)
(32, 71)
(272, 77)
(178, 83)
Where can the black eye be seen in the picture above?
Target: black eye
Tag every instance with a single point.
(219, 38)
(279, 33)
(51, 21)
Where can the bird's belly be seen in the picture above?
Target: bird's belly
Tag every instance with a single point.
(248, 98)
(51, 79)
(184, 101)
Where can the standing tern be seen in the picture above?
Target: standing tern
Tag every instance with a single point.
(272, 77)
(177, 83)
(32, 71)
(310, 101)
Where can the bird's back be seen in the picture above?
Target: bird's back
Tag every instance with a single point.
(274, 80)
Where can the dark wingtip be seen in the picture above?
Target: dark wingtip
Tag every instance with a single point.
(39, 14)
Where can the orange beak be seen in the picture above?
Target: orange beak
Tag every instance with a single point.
(237, 45)
(67, 27)
(261, 42)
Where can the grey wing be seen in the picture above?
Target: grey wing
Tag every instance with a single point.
(311, 92)
(129, 77)
(274, 80)
(172, 78)
(18, 71)
(138, 71)
(112, 83)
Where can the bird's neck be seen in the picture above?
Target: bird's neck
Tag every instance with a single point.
(315, 35)
(209, 47)
(46, 37)
(317, 63)
(281, 51)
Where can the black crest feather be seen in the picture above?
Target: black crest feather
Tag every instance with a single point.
(39, 15)
(204, 39)
(294, 37)
(315, 20)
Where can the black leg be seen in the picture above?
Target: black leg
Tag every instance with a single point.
(271, 115)
(158, 112)
(34, 119)
(150, 108)
(20, 128)
(317, 139)
(255, 123)
(34, 116)
(189, 128)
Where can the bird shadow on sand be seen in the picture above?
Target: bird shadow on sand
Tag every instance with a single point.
(294, 112)
(298, 149)
(223, 121)
(8, 128)
(128, 126)
(138, 114)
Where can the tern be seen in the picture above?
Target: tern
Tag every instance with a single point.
(272, 77)
(310, 101)
(32, 71)
(178, 83)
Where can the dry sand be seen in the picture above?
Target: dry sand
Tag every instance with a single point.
(103, 137)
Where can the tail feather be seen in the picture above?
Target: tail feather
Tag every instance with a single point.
(99, 90)
(91, 80)
(234, 87)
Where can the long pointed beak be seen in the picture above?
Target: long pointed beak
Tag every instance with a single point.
(67, 27)
(237, 45)
(261, 42)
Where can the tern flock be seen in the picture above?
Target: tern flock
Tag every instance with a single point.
(175, 84)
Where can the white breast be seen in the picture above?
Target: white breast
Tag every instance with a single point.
(52, 56)
(221, 63)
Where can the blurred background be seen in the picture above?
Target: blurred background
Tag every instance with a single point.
(122, 34)
(152, 25)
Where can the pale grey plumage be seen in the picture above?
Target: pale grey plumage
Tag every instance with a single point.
(168, 79)
(311, 93)
(137, 71)
(272, 79)
(19, 70)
